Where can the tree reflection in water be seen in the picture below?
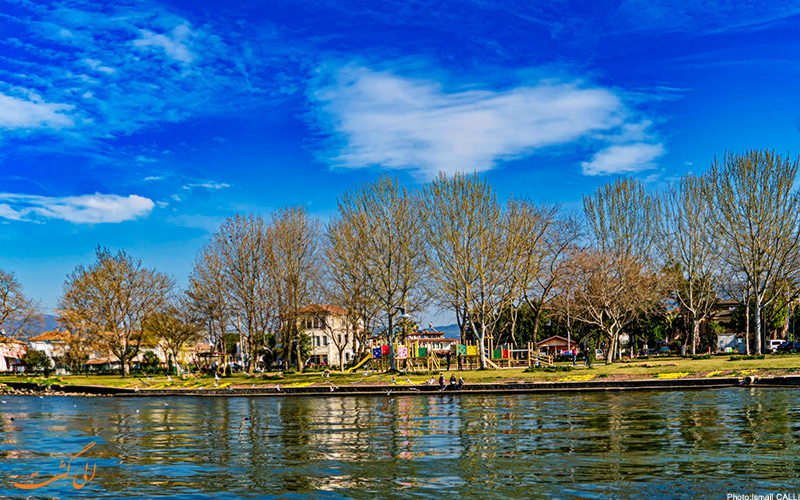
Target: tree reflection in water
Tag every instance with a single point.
(689, 443)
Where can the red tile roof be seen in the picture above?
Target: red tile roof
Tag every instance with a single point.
(51, 335)
(9, 340)
(322, 308)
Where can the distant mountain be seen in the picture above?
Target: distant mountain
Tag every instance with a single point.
(49, 322)
(451, 331)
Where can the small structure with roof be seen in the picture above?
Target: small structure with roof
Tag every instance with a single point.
(555, 345)
(11, 352)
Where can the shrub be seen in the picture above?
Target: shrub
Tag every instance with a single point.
(37, 361)
(548, 369)
(744, 357)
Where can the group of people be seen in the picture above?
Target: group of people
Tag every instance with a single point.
(458, 383)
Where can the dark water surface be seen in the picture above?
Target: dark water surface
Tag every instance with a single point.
(680, 444)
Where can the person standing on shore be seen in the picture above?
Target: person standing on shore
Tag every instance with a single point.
(448, 360)
(441, 381)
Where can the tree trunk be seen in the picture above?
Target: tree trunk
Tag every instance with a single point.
(612, 343)
(757, 337)
(392, 360)
(695, 333)
(299, 351)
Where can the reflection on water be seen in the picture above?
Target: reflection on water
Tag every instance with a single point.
(591, 445)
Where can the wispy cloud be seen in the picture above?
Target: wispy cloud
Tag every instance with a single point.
(32, 112)
(85, 72)
(621, 159)
(175, 44)
(207, 185)
(87, 209)
(380, 119)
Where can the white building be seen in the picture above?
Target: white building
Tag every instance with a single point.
(330, 334)
(53, 343)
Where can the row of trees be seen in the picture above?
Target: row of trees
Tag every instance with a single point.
(388, 252)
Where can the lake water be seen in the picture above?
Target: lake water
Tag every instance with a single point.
(681, 444)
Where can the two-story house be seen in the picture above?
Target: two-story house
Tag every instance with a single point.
(333, 337)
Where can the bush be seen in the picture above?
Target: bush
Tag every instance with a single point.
(549, 369)
(37, 361)
(699, 356)
(744, 357)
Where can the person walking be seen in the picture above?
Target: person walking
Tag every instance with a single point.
(574, 355)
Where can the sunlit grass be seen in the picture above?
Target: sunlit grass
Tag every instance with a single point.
(717, 366)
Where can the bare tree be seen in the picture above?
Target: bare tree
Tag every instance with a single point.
(206, 304)
(111, 298)
(296, 267)
(346, 283)
(616, 277)
(19, 315)
(547, 235)
(755, 211)
(172, 329)
(385, 222)
(689, 241)
(232, 281)
(473, 251)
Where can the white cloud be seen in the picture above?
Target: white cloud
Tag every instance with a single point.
(98, 66)
(623, 158)
(175, 46)
(84, 72)
(19, 113)
(207, 185)
(381, 119)
(86, 209)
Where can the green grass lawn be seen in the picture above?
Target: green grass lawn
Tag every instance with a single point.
(661, 367)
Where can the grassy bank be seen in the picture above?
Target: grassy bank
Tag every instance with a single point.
(662, 367)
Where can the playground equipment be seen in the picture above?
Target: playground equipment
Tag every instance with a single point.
(414, 357)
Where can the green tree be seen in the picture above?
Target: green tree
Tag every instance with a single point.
(37, 361)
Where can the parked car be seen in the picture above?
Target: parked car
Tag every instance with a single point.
(772, 345)
(789, 347)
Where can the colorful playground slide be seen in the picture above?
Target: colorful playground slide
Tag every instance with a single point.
(367, 358)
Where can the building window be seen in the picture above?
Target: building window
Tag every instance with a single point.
(314, 323)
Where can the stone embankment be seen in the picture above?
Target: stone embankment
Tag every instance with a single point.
(332, 390)
(30, 389)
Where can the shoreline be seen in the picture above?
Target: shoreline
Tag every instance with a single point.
(330, 390)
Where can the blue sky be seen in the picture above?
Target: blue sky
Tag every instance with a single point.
(142, 125)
